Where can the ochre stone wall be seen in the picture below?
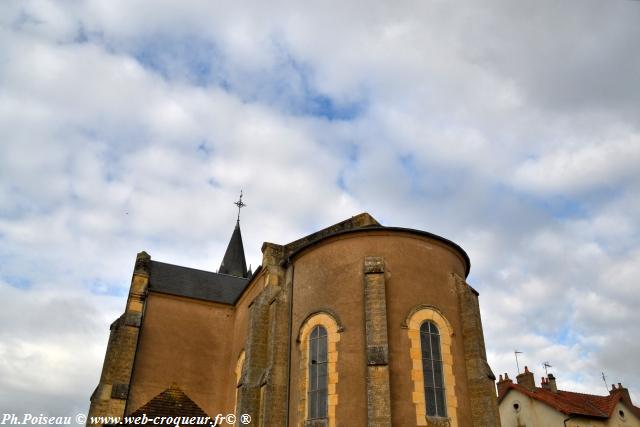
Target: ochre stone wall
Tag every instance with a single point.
(186, 342)
(418, 270)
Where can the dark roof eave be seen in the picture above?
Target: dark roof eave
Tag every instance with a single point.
(441, 239)
(191, 297)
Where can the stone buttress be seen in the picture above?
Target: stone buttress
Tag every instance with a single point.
(110, 396)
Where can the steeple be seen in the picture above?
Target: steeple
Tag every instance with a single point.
(234, 262)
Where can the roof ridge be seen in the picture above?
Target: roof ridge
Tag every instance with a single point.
(184, 266)
(584, 394)
(361, 220)
(200, 270)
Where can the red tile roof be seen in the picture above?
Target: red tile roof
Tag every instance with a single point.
(172, 402)
(571, 403)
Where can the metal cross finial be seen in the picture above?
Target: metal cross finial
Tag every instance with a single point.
(240, 205)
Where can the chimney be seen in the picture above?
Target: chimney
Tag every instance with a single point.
(551, 381)
(624, 392)
(526, 379)
(544, 383)
(503, 384)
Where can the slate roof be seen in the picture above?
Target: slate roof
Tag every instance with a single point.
(172, 402)
(571, 403)
(233, 262)
(192, 283)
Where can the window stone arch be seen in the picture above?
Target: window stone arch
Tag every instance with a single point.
(413, 323)
(332, 328)
(238, 371)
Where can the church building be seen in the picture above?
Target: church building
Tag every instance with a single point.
(357, 324)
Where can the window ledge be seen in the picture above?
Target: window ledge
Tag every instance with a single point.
(438, 421)
(317, 422)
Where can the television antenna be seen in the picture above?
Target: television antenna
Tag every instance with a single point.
(516, 353)
(605, 382)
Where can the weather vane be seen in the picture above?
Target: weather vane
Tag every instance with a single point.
(240, 204)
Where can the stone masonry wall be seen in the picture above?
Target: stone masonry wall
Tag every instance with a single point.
(263, 393)
(378, 393)
(110, 397)
(481, 381)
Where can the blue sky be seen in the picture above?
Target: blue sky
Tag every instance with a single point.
(512, 129)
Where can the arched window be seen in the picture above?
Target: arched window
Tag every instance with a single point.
(431, 352)
(319, 338)
(432, 370)
(317, 391)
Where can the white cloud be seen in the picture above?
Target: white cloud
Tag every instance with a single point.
(511, 129)
(579, 167)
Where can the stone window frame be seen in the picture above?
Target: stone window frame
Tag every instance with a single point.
(333, 328)
(413, 322)
(239, 377)
(316, 344)
(431, 347)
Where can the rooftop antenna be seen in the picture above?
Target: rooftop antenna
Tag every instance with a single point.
(240, 204)
(605, 382)
(516, 352)
(546, 365)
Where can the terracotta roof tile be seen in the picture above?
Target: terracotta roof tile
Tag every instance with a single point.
(571, 403)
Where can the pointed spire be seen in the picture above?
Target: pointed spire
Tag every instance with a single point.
(234, 262)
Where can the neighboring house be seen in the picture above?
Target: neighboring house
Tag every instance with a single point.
(356, 324)
(525, 405)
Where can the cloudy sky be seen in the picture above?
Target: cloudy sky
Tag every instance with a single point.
(512, 128)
